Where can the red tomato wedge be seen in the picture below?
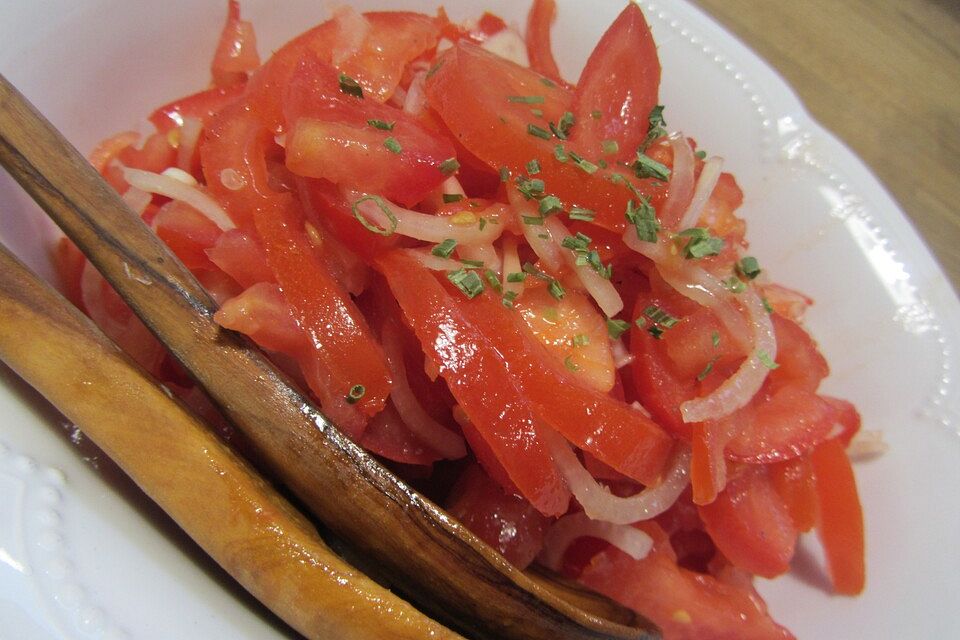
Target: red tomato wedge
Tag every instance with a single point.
(342, 138)
(478, 379)
(620, 82)
(539, 20)
(200, 106)
(495, 126)
(236, 53)
(794, 481)
(751, 525)
(840, 517)
(686, 605)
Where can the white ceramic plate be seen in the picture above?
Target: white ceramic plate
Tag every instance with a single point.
(84, 555)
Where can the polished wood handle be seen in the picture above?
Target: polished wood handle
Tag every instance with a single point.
(429, 557)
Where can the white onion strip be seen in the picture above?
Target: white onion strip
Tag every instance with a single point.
(483, 253)
(352, 30)
(546, 249)
(430, 432)
(737, 390)
(137, 199)
(463, 227)
(190, 132)
(600, 504)
(705, 186)
(681, 179)
(434, 263)
(634, 542)
(416, 98)
(177, 190)
(511, 264)
(600, 289)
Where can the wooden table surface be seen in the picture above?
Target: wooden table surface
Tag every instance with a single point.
(884, 76)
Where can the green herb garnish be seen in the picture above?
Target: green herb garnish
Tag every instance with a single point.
(579, 213)
(609, 146)
(766, 360)
(381, 124)
(646, 167)
(533, 167)
(526, 99)
(392, 144)
(350, 86)
(748, 267)
(449, 166)
(616, 327)
(467, 281)
(452, 197)
(356, 392)
(550, 204)
(700, 243)
(644, 219)
(445, 248)
(539, 132)
(369, 226)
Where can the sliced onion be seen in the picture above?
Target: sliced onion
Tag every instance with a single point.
(463, 227)
(621, 355)
(484, 253)
(190, 132)
(681, 179)
(705, 186)
(737, 390)
(352, 29)
(600, 289)
(416, 98)
(546, 249)
(511, 264)
(434, 263)
(600, 504)
(177, 190)
(430, 432)
(137, 199)
(565, 531)
(866, 445)
(508, 44)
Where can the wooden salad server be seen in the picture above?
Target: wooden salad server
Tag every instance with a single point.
(430, 558)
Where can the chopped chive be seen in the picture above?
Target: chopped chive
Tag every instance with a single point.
(445, 248)
(449, 166)
(493, 280)
(566, 123)
(548, 82)
(381, 124)
(579, 213)
(534, 130)
(609, 146)
(350, 86)
(748, 267)
(735, 284)
(595, 114)
(369, 226)
(706, 370)
(700, 243)
(533, 167)
(602, 163)
(641, 322)
(356, 392)
(543, 236)
(467, 281)
(556, 289)
(392, 144)
(452, 197)
(644, 219)
(766, 305)
(516, 276)
(656, 126)
(646, 167)
(530, 187)
(529, 269)
(508, 298)
(560, 153)
(538, 113)
(581, 340)
(660, 316)
(715, 338)
(550, 204)
(587, 166)
(765, 358)
(526, 99)
(655, 331)
(504, 174)
(533, 221)
(579, 242)
(435, 68)
(483, 222)
(701, 154)
(570, 364)
(473, 264)
(616, 327)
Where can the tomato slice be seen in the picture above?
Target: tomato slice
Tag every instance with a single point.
(188, 233)
(494, 125)
(751, 525)
(840, 517)
(261, 312)
(479, 379)
(387, 436)
(506, 522)
(620, 83)
(539, 20)
(685, 604)
(200, 106)
(794, 482)
(330, 136)
(238, 254)
(236, 53)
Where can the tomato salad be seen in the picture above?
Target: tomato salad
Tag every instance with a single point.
(529, 297)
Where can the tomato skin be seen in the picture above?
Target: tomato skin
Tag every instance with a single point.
(495, 130)
(840, 517)
(187, 232)
(236, 53)
(203, 106)
(329, 136)
(239, 255)
(478, 379)
(506, 522)
(686, 605)
(261, 313)
(794, 482)
(620, 80)
(751, 525)
(539, 20)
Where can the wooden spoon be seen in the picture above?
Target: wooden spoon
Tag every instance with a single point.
(430, 557)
